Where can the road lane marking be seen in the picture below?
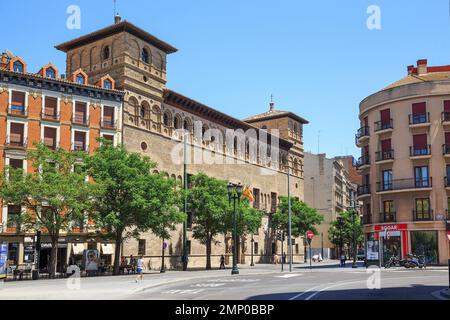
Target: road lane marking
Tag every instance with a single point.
(302, 293)
(288, 275)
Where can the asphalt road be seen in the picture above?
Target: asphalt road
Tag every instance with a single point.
(264, 282)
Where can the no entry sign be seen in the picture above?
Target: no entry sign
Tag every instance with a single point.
(310, 234)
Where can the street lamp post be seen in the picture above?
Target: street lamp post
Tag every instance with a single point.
(185, 254)
(235, 196)
(253, 244)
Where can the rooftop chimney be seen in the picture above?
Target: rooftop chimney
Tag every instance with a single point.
(117, 19)
(422, 66)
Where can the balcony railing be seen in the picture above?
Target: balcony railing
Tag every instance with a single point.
(447, 181)
(419, 118)
(402, 184)
(20, 111)
(384, 125)
(362, 132)
(80, 147)
(80, 120)
(415, 151)
(384, 155)
(18, 143)
(423, 215)
(362, 161)
(50, 116)
(445, 149)
(388, 216)
(367, 219)
(445, 116)
(109, 124)
(362, 190)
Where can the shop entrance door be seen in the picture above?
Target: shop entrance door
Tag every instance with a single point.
(391, 246)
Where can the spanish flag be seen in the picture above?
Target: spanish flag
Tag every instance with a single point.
(248, 193)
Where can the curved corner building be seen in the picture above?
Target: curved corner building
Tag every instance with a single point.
(405, 164)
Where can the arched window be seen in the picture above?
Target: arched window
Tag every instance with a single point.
(177, 122)
(186, 125)
(166, 119)
(50, 73)
(142, 112)
(106, 53)
(79, 79)
(145, 56)
(18, 66)
(107, 84)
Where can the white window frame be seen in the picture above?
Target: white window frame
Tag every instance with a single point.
(20, 121)
(81, 100)
(103, 133)
(57, 127)
(58, 103)
(72, 138)
(18, 89)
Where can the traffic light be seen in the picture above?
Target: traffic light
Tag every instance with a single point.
(280, 236)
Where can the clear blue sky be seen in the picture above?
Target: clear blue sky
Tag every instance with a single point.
(317, 58)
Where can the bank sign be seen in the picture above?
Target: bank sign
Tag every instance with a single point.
(390, 230)
(3, 259)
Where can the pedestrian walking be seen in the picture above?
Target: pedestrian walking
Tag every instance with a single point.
(343, 259)
(275, 259)
(140, 269)
(222, 262)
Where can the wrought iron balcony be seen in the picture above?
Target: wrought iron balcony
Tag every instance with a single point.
(446, 182)
(50, 116)
(446, 149)
(384, 155)
(415, 151)
(20, 111)
(362, 132)
(384, 125)
(423, 215)
(109, 124)
(362, 161)
(388, 216)
(82, 120)
(404, 184)
(363, 190)
(445, 116)
(419, 118)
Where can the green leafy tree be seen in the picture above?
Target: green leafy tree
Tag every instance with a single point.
(346, 231)
(208, 202)
(54, 194)
(303, 217)
(132, 199)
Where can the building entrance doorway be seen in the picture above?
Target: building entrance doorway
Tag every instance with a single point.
(391, 246)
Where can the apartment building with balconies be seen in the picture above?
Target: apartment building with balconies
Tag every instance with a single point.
(404, 138)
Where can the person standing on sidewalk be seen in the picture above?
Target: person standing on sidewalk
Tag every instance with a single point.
(140, 269)
(222, 262)
(343, 259)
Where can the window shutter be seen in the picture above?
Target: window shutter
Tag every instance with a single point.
(447, 106)
(18, 98)
(419, 108)
(447, 138)
(420, 141)
(385, 145)
(385, 116)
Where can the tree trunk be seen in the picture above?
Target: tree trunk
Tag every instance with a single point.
(117, 253)
(208, 253)
(53, 256)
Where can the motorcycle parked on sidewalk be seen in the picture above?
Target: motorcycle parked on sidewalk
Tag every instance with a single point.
(393, 261)
(414, 261)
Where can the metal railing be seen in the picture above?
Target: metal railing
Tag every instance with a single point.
(14, 110)
(388, 216)
(419, 118)
(20, 143)
(415, 151)
(109, 124)
(423, 215)
(445, 116)
(363, 189)
(50, 116)
(383, 125)
(80, 119)
(384, 155)
(401, 184)
(445, 149)
(363, 160)
(362, 132)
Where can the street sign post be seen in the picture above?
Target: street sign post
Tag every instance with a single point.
(309, 236)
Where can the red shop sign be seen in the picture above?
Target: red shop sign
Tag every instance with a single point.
(391, 227)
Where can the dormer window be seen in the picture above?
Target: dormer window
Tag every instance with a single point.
(80, 79)
(145, 56)
(18, 66)
(107, 84)
(106, 53)
(50, 73)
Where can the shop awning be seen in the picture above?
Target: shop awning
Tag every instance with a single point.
(77, 248)
(107, 249)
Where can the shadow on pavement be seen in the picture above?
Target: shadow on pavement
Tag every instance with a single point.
(329, 265)
(415, 292)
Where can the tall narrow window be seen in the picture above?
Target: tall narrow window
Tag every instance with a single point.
(50, 73)
(79, 79)
(420, 146)
(421, 177)
(18, 102)
(385, 119)
(50, 108)
(387, 180)
(145, 56)
(446, 115)
(16, 134)
(18, 66)
(108, 117)
(79, 141)
(106, 53)
(419, 113)
(80, 116)
(50, 137)
(423, 211)
(107, 84)
(386, 152)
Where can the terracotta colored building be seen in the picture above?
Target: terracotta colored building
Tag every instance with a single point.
(405, 164)
(61, 112)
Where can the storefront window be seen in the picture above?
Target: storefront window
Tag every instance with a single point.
(13, 253)
(425, 243)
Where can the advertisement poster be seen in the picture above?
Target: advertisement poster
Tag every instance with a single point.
(373, 249)
(91, 260)
(3, 259)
